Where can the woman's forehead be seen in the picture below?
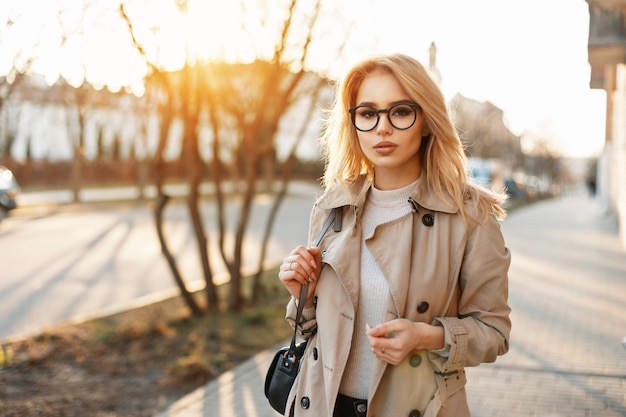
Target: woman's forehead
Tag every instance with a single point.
(380, 87)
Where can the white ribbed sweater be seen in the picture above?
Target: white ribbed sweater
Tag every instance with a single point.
(380, 207)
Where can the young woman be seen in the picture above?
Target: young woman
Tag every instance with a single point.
(414, 287)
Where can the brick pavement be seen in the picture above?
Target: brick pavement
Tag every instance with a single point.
(568, 295)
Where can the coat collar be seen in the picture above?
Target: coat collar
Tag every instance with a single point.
(354, 194)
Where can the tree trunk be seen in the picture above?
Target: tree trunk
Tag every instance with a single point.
(171, 260)
(162, 199)
(288, 170)
(191, 150)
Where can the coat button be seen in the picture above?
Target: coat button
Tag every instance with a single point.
(315, 353)
(361, 408)
(305, 402)
(428, 219)
(422, 307)
(415, 413)
(415, 361)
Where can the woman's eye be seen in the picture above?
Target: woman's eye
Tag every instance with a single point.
(367, 114)
(402, 111)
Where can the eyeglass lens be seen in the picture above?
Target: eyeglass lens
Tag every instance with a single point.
(401, 116)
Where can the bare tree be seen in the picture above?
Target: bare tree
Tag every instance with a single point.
(288, 170)
(161, 92)
(269, 93)
(243, 109)
(21, 61)
(28, 52)
(167, 114)
(541, 159)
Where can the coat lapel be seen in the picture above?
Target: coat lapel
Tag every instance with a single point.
(343, 256)
(395, 263)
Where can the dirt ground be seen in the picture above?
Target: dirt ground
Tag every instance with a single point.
(133, 364)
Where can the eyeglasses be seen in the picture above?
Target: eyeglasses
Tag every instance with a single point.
(401, 116)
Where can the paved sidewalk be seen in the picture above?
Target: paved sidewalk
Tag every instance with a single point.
(568, 294)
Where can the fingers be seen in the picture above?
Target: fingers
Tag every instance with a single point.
(384, 344)
(386, 330)
(301, 265)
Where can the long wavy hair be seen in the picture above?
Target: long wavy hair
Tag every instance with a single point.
(443, 160)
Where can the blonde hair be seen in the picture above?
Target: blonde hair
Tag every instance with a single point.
(443, 159)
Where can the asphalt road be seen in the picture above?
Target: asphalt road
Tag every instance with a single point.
(66, 262)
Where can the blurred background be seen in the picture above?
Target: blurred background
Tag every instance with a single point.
(153, 150)
(155, 99)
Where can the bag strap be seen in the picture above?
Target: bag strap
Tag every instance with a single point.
(304, 290)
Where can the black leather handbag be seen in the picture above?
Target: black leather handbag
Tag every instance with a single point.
(286, 363)
(284, 369)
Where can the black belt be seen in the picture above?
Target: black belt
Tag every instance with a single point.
(349, 407)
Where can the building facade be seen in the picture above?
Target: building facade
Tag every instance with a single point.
(607, 57)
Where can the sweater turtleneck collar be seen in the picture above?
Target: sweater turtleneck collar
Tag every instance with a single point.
(391, 198)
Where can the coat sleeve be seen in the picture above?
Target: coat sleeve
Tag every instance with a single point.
(480, 331)
(308, 323)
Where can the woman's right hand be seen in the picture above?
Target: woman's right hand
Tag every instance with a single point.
(301, 267)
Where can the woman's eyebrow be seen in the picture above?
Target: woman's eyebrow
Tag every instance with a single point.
(393, 103)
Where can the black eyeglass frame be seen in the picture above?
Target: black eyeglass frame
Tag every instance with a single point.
(352, 111)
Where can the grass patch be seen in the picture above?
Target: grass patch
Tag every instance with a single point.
(139, 359)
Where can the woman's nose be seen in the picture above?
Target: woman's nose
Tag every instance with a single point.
(384, 126)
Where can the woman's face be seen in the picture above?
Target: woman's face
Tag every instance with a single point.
(393, 152)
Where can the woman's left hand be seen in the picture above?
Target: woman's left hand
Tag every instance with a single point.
(394, 340)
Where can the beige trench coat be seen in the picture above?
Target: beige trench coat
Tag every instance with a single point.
(439, 272)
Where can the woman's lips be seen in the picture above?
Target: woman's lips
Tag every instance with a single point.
(385, 147)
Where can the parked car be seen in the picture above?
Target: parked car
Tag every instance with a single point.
(9, 189)
(514, 190)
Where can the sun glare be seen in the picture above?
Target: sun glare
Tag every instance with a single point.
(205, 31)
(216, 31)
